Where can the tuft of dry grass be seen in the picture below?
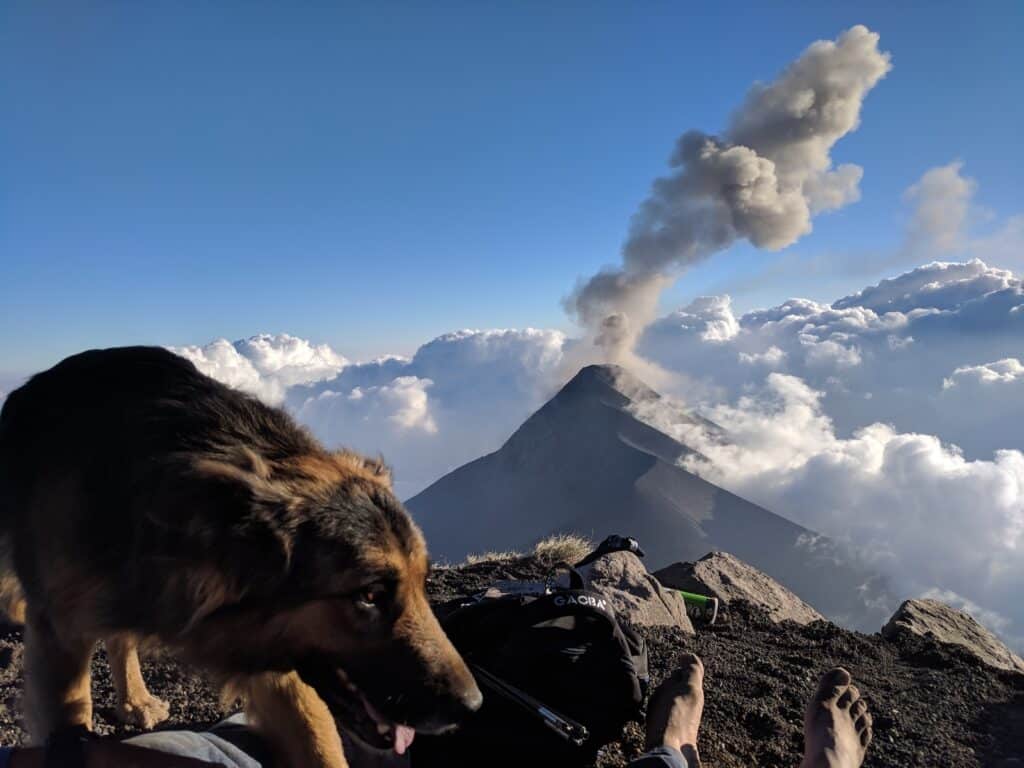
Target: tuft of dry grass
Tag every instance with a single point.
(493, 557)
(559, 548)
(562, 548)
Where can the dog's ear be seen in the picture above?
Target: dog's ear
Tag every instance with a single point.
(230, 506)
(375, 467)
(260, 516)
(378, 469)
(236, 458)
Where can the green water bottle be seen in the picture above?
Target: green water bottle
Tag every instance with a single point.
(700, 608)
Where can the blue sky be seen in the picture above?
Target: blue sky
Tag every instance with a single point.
(372, 176)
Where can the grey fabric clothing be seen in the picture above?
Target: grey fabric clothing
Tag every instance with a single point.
(203, 745)
(660, 757)
(224, 743)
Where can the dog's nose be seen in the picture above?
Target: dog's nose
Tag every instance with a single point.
(472, 698)
(430, 713)
(460, 704)
(463, 699)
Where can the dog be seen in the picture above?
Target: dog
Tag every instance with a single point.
(141, 499)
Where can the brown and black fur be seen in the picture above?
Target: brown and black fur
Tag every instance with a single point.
(142, 499)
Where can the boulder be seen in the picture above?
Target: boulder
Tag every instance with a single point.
(635, 594)
(728, 578)
(947, 625)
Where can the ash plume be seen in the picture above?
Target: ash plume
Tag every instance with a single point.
(762, 181)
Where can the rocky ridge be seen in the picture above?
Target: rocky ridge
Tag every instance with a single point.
(935, 702)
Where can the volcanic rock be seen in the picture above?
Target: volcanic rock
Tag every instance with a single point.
(719, 574)
(949, 626)
(635, 594)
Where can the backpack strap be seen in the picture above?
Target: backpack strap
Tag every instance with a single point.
(565, 602)
(567, 728)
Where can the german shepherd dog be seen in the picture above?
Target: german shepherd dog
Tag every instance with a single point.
(140, 499)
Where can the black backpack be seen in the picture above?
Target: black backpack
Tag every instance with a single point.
(560, 676)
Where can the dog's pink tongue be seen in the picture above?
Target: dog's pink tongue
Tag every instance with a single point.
(403, 738)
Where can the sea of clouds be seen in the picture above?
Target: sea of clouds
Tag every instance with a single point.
(888, 419)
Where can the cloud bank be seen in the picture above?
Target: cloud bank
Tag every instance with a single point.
(460, 396)
(913, 351)
(909, 505)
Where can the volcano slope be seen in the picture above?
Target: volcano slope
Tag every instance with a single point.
(584, 463)
(932, 705)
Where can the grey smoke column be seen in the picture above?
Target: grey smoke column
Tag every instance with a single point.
(762, 181)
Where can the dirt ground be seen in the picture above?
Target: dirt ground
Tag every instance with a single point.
(932, 706)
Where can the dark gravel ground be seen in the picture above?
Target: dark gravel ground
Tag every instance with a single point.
(193, 702)
(932, 706)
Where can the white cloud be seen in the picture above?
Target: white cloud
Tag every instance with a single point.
(265, 365)
(710, 317)
(829, 353)
(291, 360)
(406, 398)
(223, 362)
(937, 286)
(942, 199)
(1007, 371)
(771, 357)
(360, 416)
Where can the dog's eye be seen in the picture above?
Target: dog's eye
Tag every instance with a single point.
(371, 596)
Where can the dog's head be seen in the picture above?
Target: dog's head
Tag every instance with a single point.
(382, 663)
(350, 611)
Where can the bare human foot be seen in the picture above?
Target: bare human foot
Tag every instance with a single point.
(675, 709)
(837, 724)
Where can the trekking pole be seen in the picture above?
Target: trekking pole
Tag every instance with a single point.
(568, 729)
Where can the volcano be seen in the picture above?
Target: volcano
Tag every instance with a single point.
(585, 463)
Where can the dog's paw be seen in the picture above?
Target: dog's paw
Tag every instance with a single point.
(143, 713)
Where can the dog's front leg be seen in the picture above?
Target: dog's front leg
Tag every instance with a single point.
(295, 720)
(135, 704)
(57, 693)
